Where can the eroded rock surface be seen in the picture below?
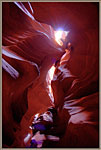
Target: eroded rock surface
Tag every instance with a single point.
(76, 86)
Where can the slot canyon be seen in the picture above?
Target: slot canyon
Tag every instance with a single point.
(50, 74)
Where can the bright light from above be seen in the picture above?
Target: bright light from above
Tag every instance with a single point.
(60, 35)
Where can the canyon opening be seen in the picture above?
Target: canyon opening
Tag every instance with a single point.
(50, 74)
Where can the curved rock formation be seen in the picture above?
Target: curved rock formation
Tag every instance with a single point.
(29, 51)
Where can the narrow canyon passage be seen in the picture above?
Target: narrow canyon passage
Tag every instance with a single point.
(50, 74)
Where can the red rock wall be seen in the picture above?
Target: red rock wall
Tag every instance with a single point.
(19, 36)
